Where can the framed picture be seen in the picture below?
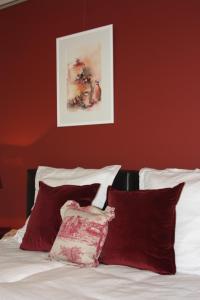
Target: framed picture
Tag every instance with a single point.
(85, 77)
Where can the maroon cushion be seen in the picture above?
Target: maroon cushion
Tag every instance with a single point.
(142, 233)
(45, 219)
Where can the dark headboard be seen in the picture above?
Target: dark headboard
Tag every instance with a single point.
(126, 180)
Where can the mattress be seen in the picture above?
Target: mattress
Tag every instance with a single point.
(31, 275)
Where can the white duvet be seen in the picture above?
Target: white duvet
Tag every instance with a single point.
(28, 275)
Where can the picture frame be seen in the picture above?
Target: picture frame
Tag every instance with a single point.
(85, 77)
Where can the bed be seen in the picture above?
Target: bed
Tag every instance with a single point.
(31, 275)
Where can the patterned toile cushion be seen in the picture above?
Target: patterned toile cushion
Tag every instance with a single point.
(82, 234)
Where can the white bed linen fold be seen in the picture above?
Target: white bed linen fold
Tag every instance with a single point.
(17, 264)
(31, 276)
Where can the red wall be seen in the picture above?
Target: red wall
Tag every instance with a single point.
(157, 90)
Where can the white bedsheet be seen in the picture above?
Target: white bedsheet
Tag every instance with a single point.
(28, 275)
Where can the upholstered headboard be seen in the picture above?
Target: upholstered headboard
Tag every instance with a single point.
(126, 180)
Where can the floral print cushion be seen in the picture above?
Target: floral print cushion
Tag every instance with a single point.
(82, 234)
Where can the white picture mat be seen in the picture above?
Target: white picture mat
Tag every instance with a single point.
(67, 49)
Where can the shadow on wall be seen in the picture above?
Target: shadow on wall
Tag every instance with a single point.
(15, 157)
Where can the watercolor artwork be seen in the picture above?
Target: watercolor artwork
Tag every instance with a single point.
(85, 78)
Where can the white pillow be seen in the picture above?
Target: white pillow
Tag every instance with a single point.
(77, 176)
(187, 234)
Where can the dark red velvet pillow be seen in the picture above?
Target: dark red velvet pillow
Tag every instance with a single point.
(45, 219)
(143, 231)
